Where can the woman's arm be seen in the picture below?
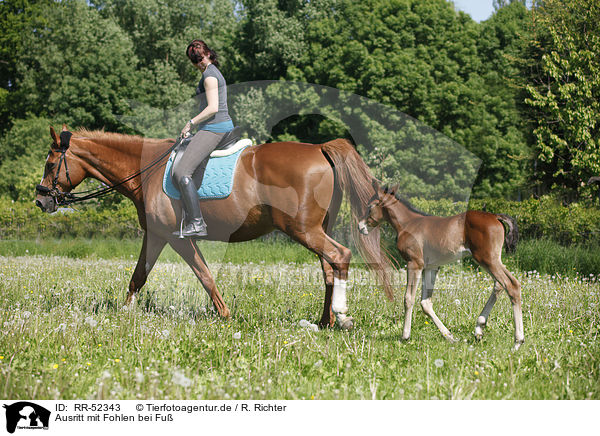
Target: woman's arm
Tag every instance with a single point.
(211, 86)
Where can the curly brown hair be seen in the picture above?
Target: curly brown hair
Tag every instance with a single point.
(197, 49)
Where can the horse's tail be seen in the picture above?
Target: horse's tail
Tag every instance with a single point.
(354, 178)
(512, 236)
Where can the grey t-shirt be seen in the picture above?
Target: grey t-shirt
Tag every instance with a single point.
(223, 114)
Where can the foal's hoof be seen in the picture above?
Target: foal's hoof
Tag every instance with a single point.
(517, 345)
(347, 324)
(450, 338)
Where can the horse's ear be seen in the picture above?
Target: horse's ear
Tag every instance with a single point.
(55, 141)
(394, 189)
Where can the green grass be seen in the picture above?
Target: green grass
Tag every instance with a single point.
(64, 335)
(550, 257)
(268, 251)
(543, 256)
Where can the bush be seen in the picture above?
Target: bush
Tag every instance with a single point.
(25, 221)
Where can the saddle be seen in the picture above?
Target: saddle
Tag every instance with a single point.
(215, 175)
(226, 146)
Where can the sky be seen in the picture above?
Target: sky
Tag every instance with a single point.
(479, 10)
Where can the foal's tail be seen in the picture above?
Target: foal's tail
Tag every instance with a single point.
(354, 178)
(512, 236)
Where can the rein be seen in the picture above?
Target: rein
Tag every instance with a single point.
(68, 198)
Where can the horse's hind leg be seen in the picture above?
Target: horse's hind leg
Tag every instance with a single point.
(429, 276)
(328, 317)
(338, 257)
(151, 249)
(188, 250)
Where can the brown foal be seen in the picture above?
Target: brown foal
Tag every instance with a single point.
(294, 187)
(428, 242)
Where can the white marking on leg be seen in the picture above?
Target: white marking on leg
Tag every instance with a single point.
(338, 300)
(518, 318)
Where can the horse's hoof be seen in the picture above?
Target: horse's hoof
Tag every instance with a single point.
(517, 345)
(347, 324)
(323, 324)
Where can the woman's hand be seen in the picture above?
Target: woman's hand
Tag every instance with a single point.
(186, 130)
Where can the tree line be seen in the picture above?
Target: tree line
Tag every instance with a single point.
(520, 91)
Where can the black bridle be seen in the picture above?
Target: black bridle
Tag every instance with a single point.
(67, 198)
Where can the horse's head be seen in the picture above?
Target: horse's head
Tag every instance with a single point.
(61, 174)
(375, 213)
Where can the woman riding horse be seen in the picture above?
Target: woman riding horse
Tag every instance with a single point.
(213, 121)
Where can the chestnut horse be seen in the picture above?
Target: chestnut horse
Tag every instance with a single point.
(294, 187)
(427, 242)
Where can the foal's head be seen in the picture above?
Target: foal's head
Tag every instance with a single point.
(61, 173)
(376, 209)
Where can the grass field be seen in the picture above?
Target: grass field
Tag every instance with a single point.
(65, 335)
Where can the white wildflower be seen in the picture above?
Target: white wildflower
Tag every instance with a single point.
(237, 335)
(165, 334)
(91, 322)
(180, 379)
(303, 323)
(438, 363)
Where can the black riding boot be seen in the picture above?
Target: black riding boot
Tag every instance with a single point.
(195, 225)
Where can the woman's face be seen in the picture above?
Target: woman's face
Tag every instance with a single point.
(204, 62)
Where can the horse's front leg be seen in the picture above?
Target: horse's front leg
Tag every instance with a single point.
(415, 270)
(152, 246)
(429, 276)
(188, 250)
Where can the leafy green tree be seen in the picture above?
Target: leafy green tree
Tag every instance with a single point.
(23, 150)
(431, 62)
(565, 96)
(271, 37)
(79, 67)
(17, 17)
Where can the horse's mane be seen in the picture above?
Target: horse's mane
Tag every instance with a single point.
(117, 139)
(404, 201)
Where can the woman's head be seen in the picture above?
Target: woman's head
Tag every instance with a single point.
(197, 50)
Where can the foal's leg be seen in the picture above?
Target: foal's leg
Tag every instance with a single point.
(415, 269)
(429, 276)
(189, 251)
(513, 289)
(485, 313)
(151, 249)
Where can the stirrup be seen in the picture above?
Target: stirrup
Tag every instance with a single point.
(195, 229)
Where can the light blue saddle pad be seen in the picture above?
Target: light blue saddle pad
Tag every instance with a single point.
(217, 181)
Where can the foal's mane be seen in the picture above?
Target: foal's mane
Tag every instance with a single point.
(404, 201)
